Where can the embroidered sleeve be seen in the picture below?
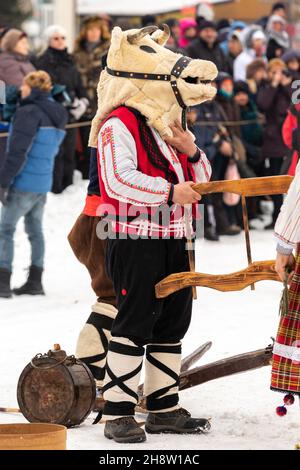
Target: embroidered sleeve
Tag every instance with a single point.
(202, 169)
(118, 164)
(287, 228)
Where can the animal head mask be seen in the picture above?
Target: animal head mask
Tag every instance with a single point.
(143, 74)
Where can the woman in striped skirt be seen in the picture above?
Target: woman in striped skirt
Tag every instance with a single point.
(286, 354)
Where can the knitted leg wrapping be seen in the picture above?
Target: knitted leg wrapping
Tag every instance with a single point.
(92, 344)
(162, 369)
(123, 369)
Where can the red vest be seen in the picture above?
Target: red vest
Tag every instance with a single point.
(144, 165)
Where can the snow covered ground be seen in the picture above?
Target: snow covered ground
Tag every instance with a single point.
(242, 407)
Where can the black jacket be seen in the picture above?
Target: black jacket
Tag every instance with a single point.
(94, 185)
(61, 67)
(198, 49)
(274, 103)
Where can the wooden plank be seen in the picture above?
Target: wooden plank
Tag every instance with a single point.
(256, 272)
(265, 186)
(226, 367)
(190, 360)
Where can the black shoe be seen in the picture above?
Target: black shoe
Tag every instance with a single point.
(176, 422)
(5, 290)
(211, 235)
(124, 430)
(231, 230)
(33, 285)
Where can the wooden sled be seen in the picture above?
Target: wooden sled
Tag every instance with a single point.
(256, 271)
(215, 370)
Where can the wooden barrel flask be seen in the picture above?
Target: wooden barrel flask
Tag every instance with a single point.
(56, 388)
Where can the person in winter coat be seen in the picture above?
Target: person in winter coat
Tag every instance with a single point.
(218, 150)
(234, 49)
(256, 73)
(236, 163)
(274, 98)
(278, 8)
(251, 133)
(292, 60)
(91, 47)
(26, 177)
(254, 48)
(188, 32)
(206, 46)
(61, 67)
(14, 59)
(235, 27)
(278, 38)
(291, 137)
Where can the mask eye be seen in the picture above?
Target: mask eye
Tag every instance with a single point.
(148, 49)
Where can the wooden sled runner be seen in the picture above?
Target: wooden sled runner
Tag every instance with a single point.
(215, 370)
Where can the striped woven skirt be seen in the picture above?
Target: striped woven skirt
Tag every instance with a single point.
(286, 353)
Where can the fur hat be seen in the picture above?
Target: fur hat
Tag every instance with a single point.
(206, 24)
(11, 39)
(291, 55)
(241, 87)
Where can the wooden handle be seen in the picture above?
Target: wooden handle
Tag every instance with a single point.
(248, 187)
(258, 271)
(226, 367)
(190, 360)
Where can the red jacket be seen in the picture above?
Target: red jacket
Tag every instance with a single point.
(289, 126)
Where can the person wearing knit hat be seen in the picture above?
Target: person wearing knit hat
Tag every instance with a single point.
(274, 99)
(251, 133)
(14, 61)
(54, 31)
(254, 41)
(292, 60)
(278, 38)
(188, 31)
(233, 47)
(60, 64)
(206, 46)
(256, 72)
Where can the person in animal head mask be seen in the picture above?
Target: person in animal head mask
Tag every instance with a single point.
(148, 161)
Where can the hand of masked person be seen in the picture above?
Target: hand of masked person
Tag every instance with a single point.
(3, 195)
(79, 108)
(182, 140)
(184, 194)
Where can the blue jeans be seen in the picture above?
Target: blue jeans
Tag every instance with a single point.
(31, 207)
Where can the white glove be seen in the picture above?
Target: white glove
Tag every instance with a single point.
(79, 108)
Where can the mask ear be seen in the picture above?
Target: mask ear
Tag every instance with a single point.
(116, 38)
